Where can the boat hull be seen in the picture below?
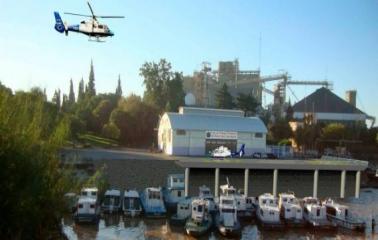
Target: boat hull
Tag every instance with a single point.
(132, 213)
(197, 229)
(87, 218)
(174, 220)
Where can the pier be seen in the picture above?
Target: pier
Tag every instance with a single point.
(329, 164)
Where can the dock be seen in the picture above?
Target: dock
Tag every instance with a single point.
(328, 164)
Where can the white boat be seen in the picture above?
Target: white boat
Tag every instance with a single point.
(200, 220)
(205, 193)
(268, 212)
(241, 200)
(87, 210)
(131, 203)
(227, 220)
(315, 213)
(183, 212)
(112, 201)
(91, 192)
(174, 191)
(152, 202)
(339, 215)
(291, 210)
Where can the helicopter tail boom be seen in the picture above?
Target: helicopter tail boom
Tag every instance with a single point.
(59, 25)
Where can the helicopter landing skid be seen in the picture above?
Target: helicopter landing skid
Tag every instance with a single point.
(96, 39)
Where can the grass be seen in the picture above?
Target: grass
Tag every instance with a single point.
(96, 141)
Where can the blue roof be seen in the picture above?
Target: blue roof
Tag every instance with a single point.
(216, 123)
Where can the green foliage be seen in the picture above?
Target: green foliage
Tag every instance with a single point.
(163, 87)
(91, 90)
(31, 184)
(80, 94)
(223, 97)
(284, 142)
(247, 103)
(56, 99)
(280, 130)
(102, 112)
(71, 95)
(306, 136)
(111, 131)
(334, 132)
(118, 91)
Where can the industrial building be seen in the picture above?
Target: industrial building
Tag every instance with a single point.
(325, 106)
(198, 131)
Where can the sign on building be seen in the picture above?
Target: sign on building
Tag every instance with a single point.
(221, 135)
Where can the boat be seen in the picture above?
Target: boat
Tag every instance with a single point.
(183, 212)
(131, 203)
(291, 210)
(200, 220)
(205, 193)
(227, 220)
(268, 212)
(315, 213)
(339, 215)
(112, 201)
(241, 203)
(87, 210)
(174, 191)
(152, 202)
(91, 192)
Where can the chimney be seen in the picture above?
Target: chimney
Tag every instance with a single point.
(350, 97)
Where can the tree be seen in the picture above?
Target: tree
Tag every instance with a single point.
(156, 75)
(289, 112)
(71, 96)
(223, 97)
(175, 93)
(111, 131)
(80, 95)
(280, 130)
(118, 91)
(247, 103)
(65, 103)
(102, 113)
(56, 99)
(91, 90)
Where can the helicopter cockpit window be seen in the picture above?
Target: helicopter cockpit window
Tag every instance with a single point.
(83, 22)
(100, 26)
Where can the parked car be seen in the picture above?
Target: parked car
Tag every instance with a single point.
(259, 155)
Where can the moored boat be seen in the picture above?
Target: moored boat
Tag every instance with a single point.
(174, 191)
(315, 213)
(205, 193)
(131, 203)
(200, 220)
(87, 210)
(152, 202)
(268, 212)
(339, 215)
(291, 210)
(112, 201)
(183, 212)
(227, 220)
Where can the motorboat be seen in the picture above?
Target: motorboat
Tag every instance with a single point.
(152, 202)
(91, 192)
(112, 201)
(339, 215)
(268, 212)
(291, 210)
(131, 203)
(183, 212)
(87, 210)
(200, 220)
(227, 219)
(174, 191)
(205, 193)
(315, 213)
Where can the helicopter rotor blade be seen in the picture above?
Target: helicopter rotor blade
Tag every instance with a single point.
(90, 7)
(110, 16)
(77, 14)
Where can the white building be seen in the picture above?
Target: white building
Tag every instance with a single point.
(197, 131)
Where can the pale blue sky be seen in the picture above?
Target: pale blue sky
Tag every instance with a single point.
(311, 40)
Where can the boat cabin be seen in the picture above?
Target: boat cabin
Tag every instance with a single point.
(199, 210)
(184, 209)
(290, 206)
(112, 200)
(86, 210)
(336, 210)
(313, 209)
(89, 192)
(131, 203)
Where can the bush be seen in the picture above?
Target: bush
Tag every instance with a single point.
(110, 130)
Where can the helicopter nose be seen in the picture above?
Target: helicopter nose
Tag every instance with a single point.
(111, 33)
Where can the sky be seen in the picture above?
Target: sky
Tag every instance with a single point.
(311, 40)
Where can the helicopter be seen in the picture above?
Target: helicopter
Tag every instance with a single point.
(92, 28)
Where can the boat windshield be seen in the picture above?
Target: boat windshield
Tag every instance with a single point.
(111, 200)
(226, 201)
(153, 194)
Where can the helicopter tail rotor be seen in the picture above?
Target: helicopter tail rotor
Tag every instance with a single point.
(59, 26)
